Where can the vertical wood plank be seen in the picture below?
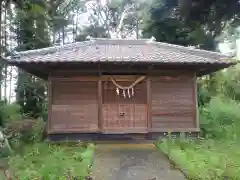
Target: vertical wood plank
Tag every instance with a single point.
(149, 103)
(195, 100)
(49, 103)
(100, 118)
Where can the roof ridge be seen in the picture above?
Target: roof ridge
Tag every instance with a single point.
(181, 47)
(91, 41)
(150, 41)
(53, 49)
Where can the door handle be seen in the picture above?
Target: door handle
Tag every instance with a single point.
(121, 113)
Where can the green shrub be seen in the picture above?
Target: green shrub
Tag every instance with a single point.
(9, 112)
(51, 161)
(204, 159)
(220, 118)
(38, 132)
(4, 152)
(25, 131)
(204, 95)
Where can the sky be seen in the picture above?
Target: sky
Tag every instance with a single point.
(224, 48)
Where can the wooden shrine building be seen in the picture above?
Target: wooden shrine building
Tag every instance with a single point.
(120, 87)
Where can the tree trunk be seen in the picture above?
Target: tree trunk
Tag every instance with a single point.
(5, 82)
(10, 83)
(137, 28)
(20, 88)
(1, 63)
(63, 35)
(5, 49)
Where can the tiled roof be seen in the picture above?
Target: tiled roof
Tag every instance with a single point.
(115, 50)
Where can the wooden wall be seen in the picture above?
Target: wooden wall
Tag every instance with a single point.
(74, 106)
(77, 103)
(173, 103)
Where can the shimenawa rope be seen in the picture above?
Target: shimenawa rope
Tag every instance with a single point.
(127, 88)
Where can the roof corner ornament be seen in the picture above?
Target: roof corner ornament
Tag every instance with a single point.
(89, 37)
(152, 39)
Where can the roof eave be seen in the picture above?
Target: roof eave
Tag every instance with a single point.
(210, 70)
(42, 69)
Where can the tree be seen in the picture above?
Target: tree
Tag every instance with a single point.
(161, 22)
(32, 32)
(190, 22)
(117, 18)
(62, 16)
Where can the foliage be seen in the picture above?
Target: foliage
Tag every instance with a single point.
(31, 25)
(9, 112)
(115, 18)
(4, 152)
(224, 83)
(5, 148)
(231, 83)
(203, 94)
(34, 89)
(163, 25)
(220, 119)
(203, 159)
(94, 31)
(190, 22)
(25, 131)
(210, 11)
(32, 22)
(48, 161)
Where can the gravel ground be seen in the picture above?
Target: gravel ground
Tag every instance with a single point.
(132, 162)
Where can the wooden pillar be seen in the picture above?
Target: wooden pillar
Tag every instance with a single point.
(195, 99)
(149, 103)
(49, 103)
(100, 103)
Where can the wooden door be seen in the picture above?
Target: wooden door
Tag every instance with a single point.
(124, 115)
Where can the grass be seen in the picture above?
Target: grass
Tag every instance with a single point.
(3, 162)
(205, 159)
(49, 161)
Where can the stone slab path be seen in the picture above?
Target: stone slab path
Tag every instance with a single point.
(132, 162)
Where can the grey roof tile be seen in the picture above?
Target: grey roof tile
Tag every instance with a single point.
(102, 50)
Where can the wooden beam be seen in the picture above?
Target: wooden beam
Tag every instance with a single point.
(96, 78)
(177, 113)
(76, 78)
(34, 70)
(210, 70)
(172, 130)
(70, 131)
(149, 103)
(137, 71)
(100, 117)
(120, 77)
